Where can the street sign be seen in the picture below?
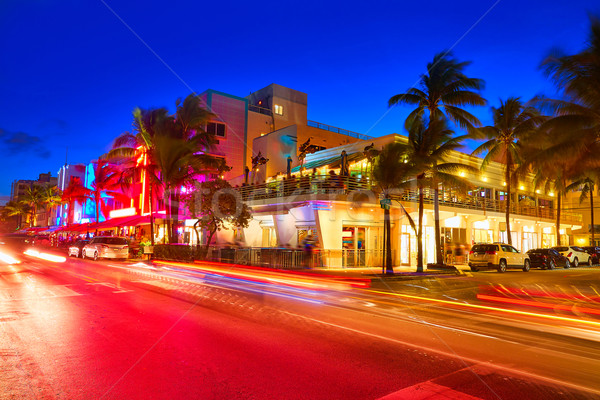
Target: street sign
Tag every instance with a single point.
(385, 203)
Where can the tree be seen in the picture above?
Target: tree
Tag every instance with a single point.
(444, 90)
(217, 206)
(173, 148)
(577, 114)
(429, 143)
(390, 171)
(16, 209)
(75, 193)
(514, 123)
(587, 186)
(33, 198)
(51, 197)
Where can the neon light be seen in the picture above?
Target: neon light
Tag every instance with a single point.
(123, 212)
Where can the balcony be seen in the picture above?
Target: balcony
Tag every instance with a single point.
(341, 131)
(331, 187)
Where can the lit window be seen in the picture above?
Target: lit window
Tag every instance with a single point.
(278, 109)
(216, 128)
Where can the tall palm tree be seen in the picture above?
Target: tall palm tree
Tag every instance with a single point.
(577, 113)
(33, 198)
(513, 124)
(444, 90)
(429, 144)
(587, 186)
(75, 193)
(174, 149)
(16, 209)
(51, 197)
(390, 172)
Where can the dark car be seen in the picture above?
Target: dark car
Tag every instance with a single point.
(75, 248)
(594, 252)
(547, 259)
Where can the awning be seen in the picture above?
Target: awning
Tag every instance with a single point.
(117, 222)
(331, 162)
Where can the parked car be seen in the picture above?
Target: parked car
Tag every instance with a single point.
(547, 259)
(593, 251)
(499, 256)
(76, 247)
(106, 247)
(575, 254)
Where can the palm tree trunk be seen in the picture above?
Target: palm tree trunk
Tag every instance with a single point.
(507, 177)
(439, 258)
(558, 220)
(151, 216)
(97, 215)
(592, 213)
(389, 270)
(174, 211)
(420, 233)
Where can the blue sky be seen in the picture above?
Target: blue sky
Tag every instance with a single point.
(72, 71)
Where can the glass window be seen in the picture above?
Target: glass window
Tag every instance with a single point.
(278, 109)
(216, 128)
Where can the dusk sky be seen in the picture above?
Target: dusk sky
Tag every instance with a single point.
(72, 71)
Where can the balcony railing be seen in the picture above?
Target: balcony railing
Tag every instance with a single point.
(341, 131)
(260, 110)
(297, 188)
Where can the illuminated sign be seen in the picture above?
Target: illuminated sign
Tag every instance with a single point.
(123, 212)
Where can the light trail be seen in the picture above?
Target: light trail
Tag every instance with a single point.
(480, 307)
(45, 256)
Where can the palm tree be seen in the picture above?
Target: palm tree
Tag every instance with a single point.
(444, 90)
(173, 149)
(429, 143)
(577, 113)
(513, 124)
(390, 171)
(33, 198)
(587, 186)
(51, 197)
(75, 193)
(16, 209)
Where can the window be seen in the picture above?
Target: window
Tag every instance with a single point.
(278, 109)
(216, 128)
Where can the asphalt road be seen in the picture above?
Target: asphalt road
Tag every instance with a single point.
(110, 330)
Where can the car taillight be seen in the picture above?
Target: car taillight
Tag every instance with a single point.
(569, 255)
(544, 256)
(126, 246)
(471, 252)
(104, 246)
(492, 253)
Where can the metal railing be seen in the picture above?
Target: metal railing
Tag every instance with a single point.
(305, 185)
(449, 199)
(341, 131)
(260, 110)
(343, 185)
(285, 258)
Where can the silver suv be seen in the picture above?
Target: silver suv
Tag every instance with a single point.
(499, 256)
(106, 247)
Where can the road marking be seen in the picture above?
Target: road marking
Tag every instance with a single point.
(116, 288)
(428, 390)
(36, 293)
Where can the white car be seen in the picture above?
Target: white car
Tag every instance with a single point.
(75, 248)
(575, 254)
(106, 247)
(499, 256)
